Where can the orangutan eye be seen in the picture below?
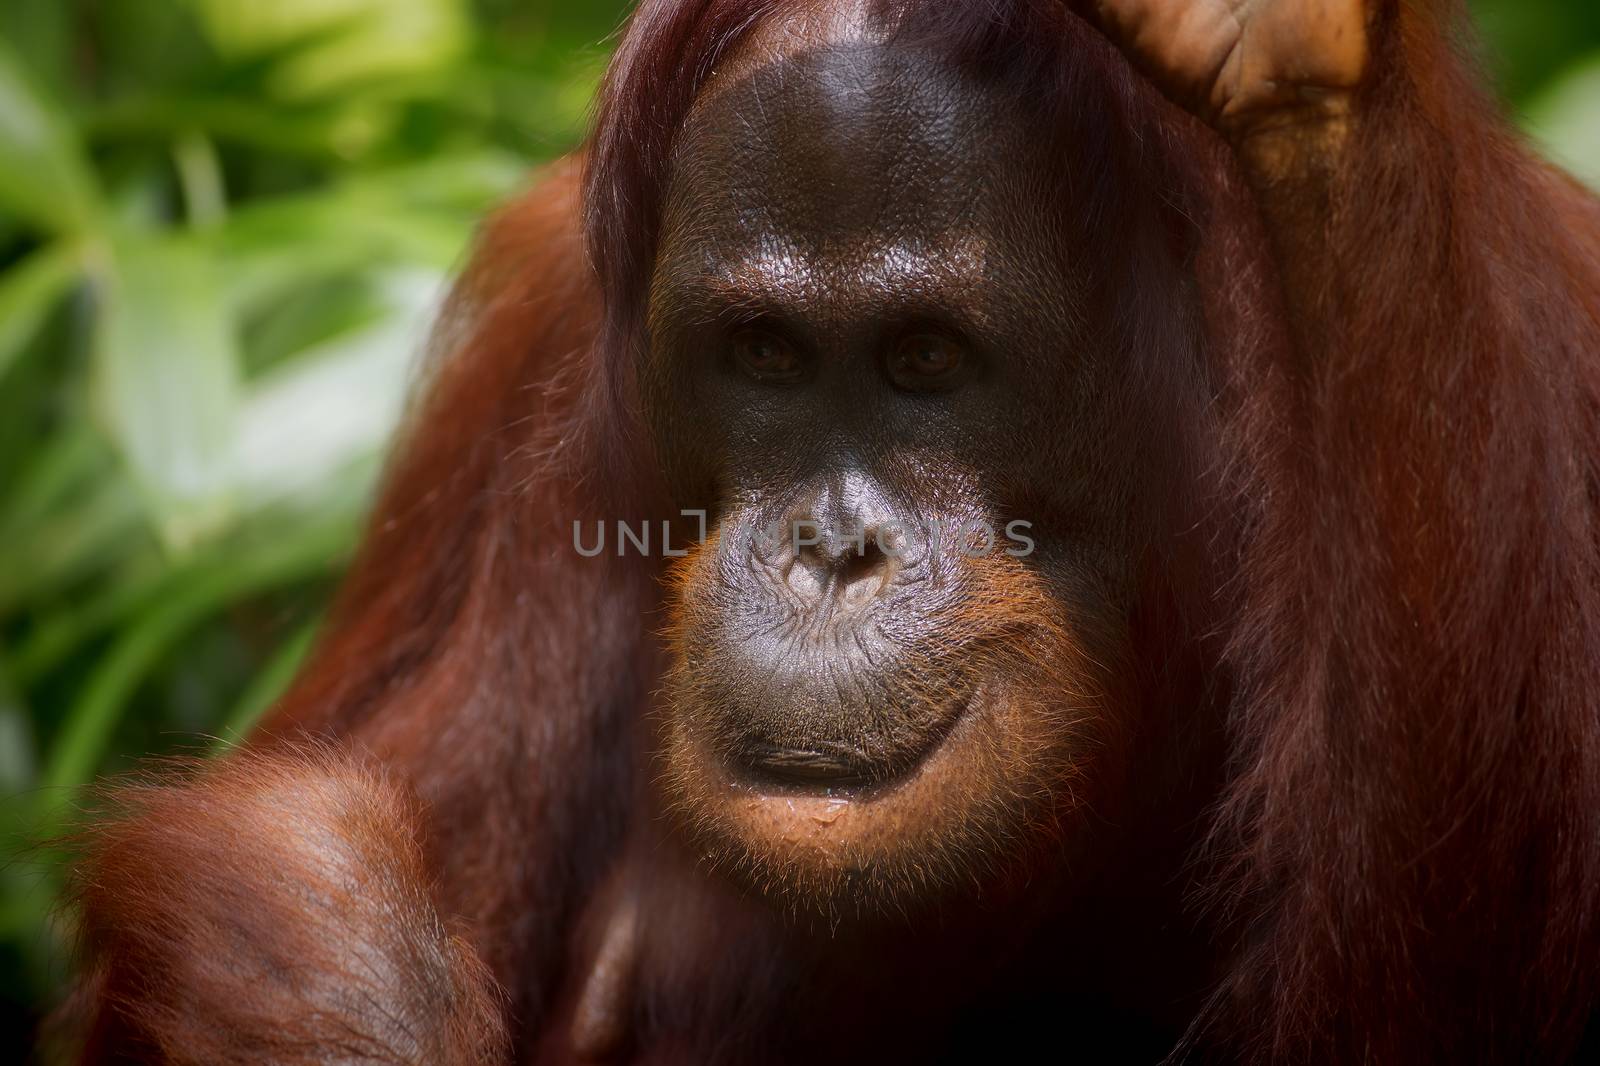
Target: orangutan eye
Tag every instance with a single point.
(926, 361)
(766, 356)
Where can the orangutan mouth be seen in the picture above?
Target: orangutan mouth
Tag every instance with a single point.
(833, 766)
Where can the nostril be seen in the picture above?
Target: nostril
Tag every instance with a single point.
(864, 574)
(854, 570)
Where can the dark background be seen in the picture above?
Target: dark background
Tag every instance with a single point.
(224, 225)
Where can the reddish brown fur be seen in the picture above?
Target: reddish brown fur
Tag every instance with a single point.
(1414, 821)
(1409, 840)
(315, 911)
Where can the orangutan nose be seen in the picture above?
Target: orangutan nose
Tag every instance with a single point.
(850, 568)
(843, 547)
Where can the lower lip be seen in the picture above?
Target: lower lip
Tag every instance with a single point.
(802, 769)
(810, 773)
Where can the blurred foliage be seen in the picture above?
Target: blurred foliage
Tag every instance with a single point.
(223, 227)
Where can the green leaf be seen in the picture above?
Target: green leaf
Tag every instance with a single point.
(44, 176)
(268, 686)
(79, 749)
(58, 467)
(17, 751)
(76, 542)
(29, 291)
(312, 429)
(270, 245)
(1565, 120)
(166, 381)
(377, 37)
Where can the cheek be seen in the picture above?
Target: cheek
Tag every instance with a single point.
(682, 456)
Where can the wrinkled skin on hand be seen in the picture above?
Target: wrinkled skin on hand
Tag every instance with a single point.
(1246, 66)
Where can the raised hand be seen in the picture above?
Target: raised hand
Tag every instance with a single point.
(1246, 66)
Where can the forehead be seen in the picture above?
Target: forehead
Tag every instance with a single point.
(857, 151)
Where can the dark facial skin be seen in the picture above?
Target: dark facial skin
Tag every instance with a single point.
(865, 319)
